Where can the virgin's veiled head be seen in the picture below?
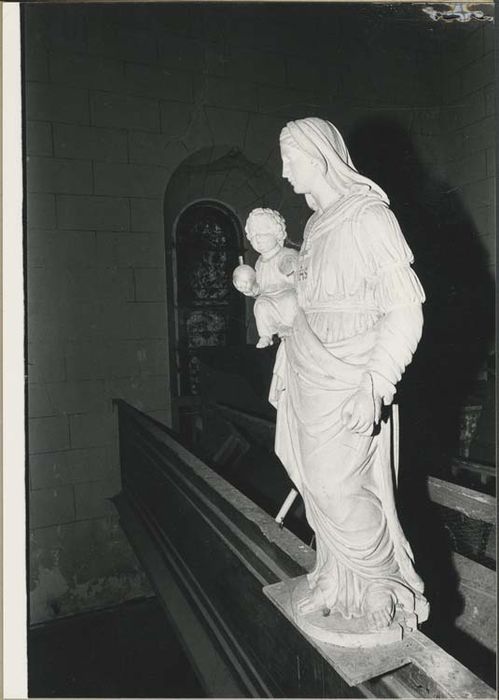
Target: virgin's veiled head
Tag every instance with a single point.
(316, 148)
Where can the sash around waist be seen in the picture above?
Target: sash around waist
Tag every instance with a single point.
(344, 361)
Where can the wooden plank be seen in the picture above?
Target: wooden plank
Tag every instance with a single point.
(478, 616)
(486, 470)
(476, 582)
(446, 673)
(214, 672)
(231, 575)
(230, 571)
(473, 504)
(355, 666)
(433, 667)
(226, 549)
(231, 563)
(225, 496)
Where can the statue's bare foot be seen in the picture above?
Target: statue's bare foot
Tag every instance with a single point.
(380, 609)
(311, 602)
(264, 341)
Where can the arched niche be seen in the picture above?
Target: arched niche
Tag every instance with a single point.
(222, 174)
(207, 201)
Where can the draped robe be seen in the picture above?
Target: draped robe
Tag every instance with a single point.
(275, 305)
(358, 324)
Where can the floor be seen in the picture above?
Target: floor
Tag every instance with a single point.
(129, 652)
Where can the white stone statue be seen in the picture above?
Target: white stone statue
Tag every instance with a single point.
(272, 281)
(357, 326)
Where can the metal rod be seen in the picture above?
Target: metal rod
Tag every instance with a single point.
(396, 441)
(286, 506)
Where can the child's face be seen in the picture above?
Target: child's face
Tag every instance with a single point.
(264, 237)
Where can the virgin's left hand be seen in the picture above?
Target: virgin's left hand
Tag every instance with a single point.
(360, 413)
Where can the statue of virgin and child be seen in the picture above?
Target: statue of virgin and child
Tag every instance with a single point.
(351, 320)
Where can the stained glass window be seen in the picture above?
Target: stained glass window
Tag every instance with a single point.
(210, 312)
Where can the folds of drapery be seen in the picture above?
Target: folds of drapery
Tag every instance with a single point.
(398, 296)
(359, 324)
(348, 492)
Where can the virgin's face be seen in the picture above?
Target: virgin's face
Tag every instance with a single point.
(297, 168)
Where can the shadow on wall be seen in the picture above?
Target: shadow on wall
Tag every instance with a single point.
(459, 311)
(458, 329)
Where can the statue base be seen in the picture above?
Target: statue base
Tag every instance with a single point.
(334, 628)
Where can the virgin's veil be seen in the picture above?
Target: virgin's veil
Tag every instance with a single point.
(322, 141)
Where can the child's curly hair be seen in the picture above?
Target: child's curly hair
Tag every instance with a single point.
(278, 223)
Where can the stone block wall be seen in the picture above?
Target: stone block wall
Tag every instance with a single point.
(123, 105)
(468, 133)
(468, 127)
(96, 305)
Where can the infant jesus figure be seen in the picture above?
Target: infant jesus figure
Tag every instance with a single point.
(272, 281)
